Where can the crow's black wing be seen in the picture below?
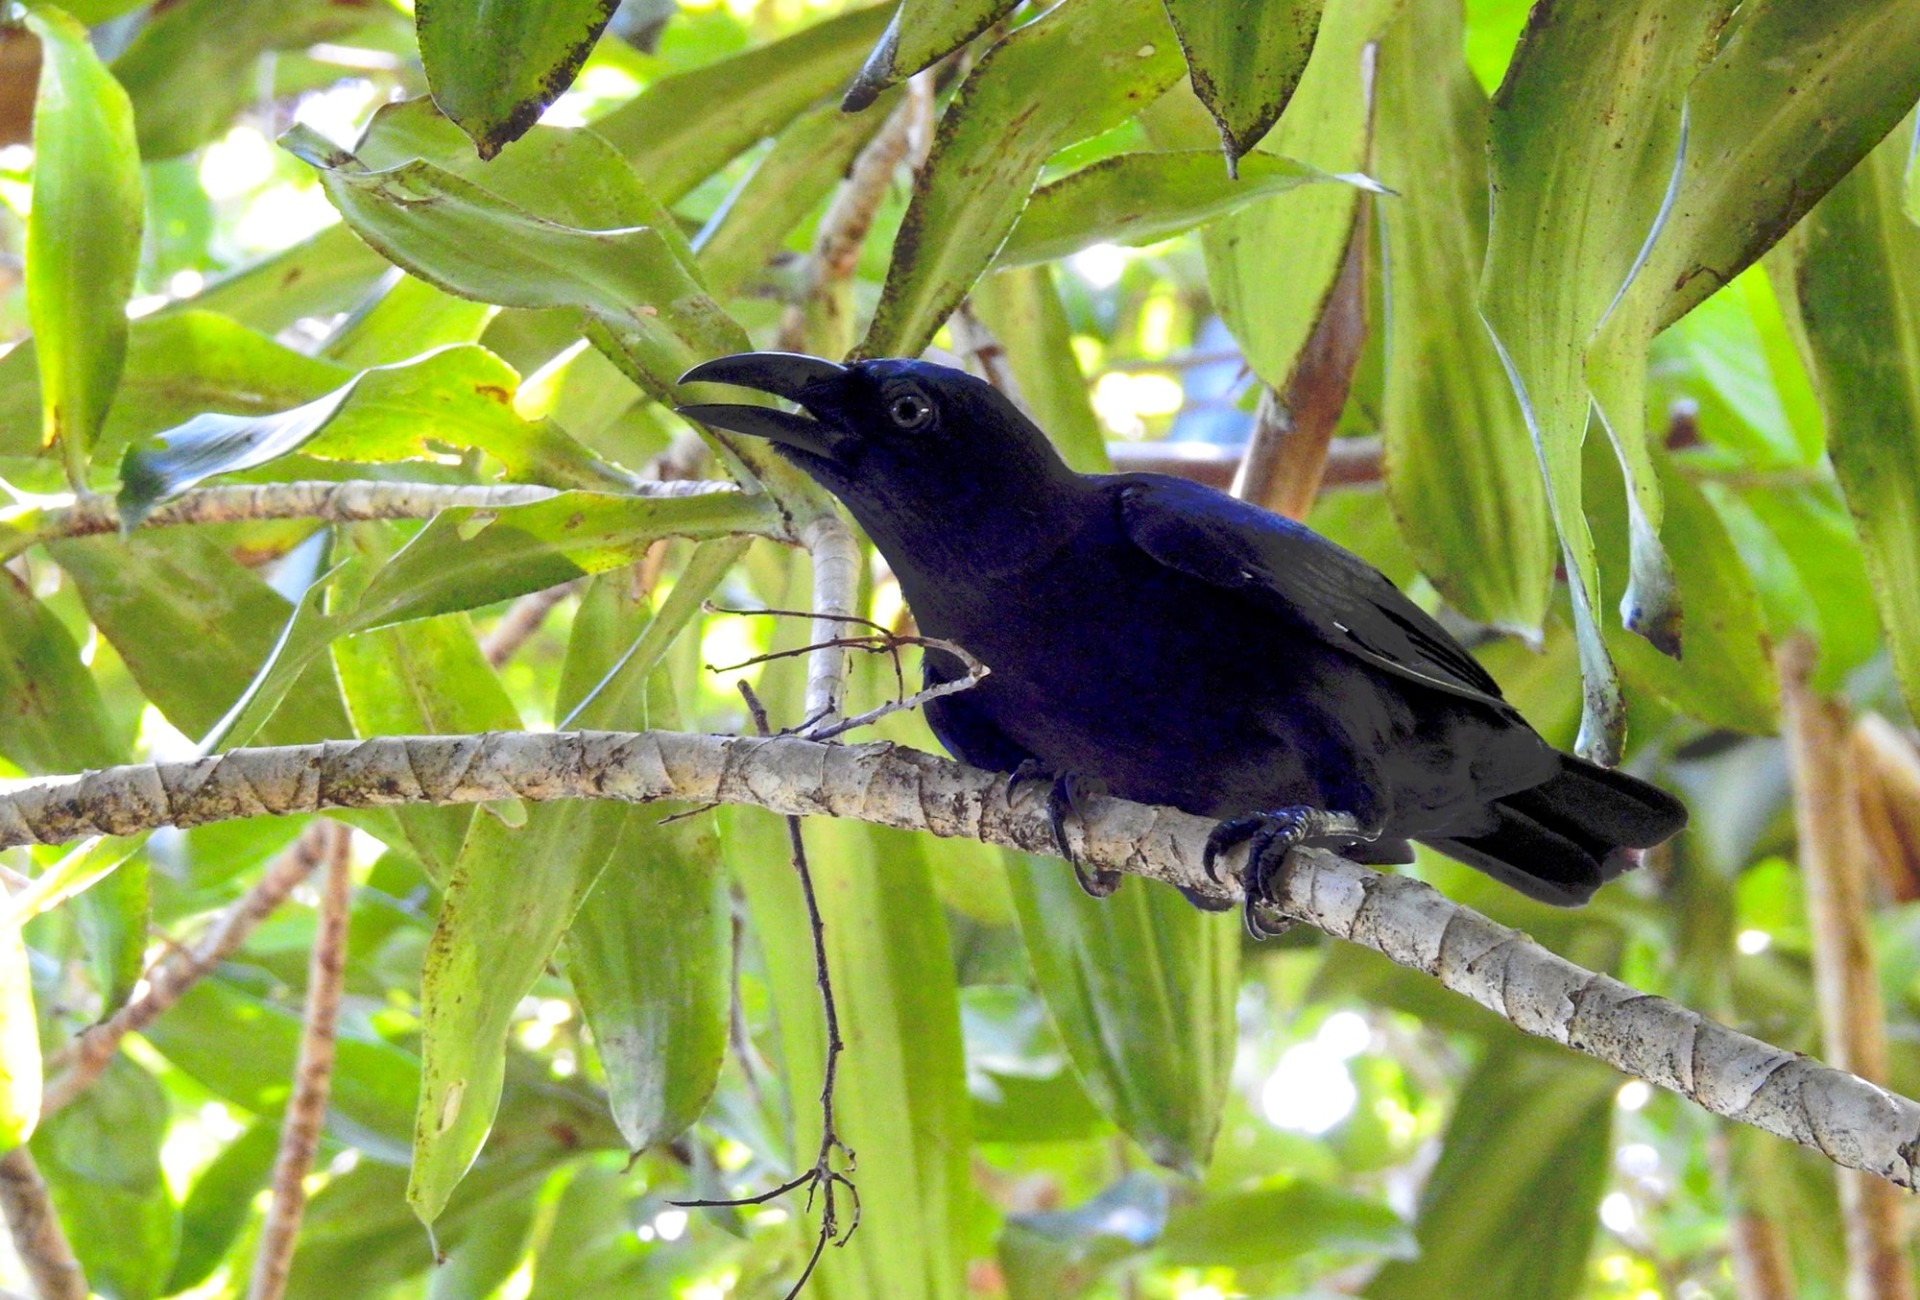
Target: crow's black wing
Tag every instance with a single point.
(1285, 567)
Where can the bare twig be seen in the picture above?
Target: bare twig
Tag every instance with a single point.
(522, 619)
(1287, 455)
(882, 640)
(1849, 1120)
(348, 502)
(37, 1235)
(1846, 979)
(87, 1055)
(823, 1179)
(313, 1076)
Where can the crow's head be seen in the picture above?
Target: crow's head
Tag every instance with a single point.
(906, 444)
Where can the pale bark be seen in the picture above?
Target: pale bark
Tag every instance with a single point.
(344, 502)
(306, 1112)
(37, 1233)
(1853, 1122)
(1833, 861)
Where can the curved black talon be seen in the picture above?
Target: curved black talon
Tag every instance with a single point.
(1030, 769)
(1270, 838)
(1063, 801)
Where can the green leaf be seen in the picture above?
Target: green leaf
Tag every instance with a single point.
(465, 558)
(489, 1253)
(1725, 677)
(194, 626)
(20, 1066)
(802, 168)
(1138, 198)
(1245, 60)
(921, 33)
(495, 68)
(1524, 1160)
(683, 128)
(55, 720)
(1796, 95)
(1272, 265)
(101, 1159)
(1280, 1221)
(422, 678)
(1857, 271)
(1022, 309)
(113, 917)
(359, 1238)
(459, 396)
(1142, 987)
(992, 141)
(650, 952)
(178, 366)
(406, 318)
(83, 234)
(511, 896)
(322, 274)
(242, 1048)
(1459, 468)
(194, 65)
(1586, 130)
(220, 1203)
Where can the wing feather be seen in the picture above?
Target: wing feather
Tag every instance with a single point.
(1287, 568)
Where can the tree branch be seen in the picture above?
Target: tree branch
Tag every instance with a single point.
(89, 1053)
(1854, 1123)
(346, 502)
(1846, 978)
(37, 1236)
(312, 1076)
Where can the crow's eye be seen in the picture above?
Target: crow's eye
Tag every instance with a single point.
(909, 411)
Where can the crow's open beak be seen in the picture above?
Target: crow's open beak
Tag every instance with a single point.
(792, 375)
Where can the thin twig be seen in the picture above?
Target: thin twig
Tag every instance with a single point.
(522, 619)
(313, 1076)
(88, 1054)
(1845, 975)
(822, 1179)
(883, 640)
(37, 1236)
(345, 502)
(1849, 1120)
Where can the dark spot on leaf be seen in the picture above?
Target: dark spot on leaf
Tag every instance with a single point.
(496, 392)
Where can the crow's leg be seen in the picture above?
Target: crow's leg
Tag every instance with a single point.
(1064, 797)
(1270, 838)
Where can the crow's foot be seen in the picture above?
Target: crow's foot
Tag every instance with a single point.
(1064, 797)
(1270, 838)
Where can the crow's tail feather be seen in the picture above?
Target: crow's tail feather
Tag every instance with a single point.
(1562, 840)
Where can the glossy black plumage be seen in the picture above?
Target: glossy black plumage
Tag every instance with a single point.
(1183, 647)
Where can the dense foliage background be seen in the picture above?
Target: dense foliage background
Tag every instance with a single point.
(1048, 1096)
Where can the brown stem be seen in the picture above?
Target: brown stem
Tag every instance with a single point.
(87, 1055)
(1287, 454)
(1846, 981)
(1887, 771)
(37, 1235)
(522, 619)
(313, 1076)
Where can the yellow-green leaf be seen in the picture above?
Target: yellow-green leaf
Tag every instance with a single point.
(83, 234)
(19, 1042)
(1245, 60)
(1000, 129)
(1460, 470)
(494, 68)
